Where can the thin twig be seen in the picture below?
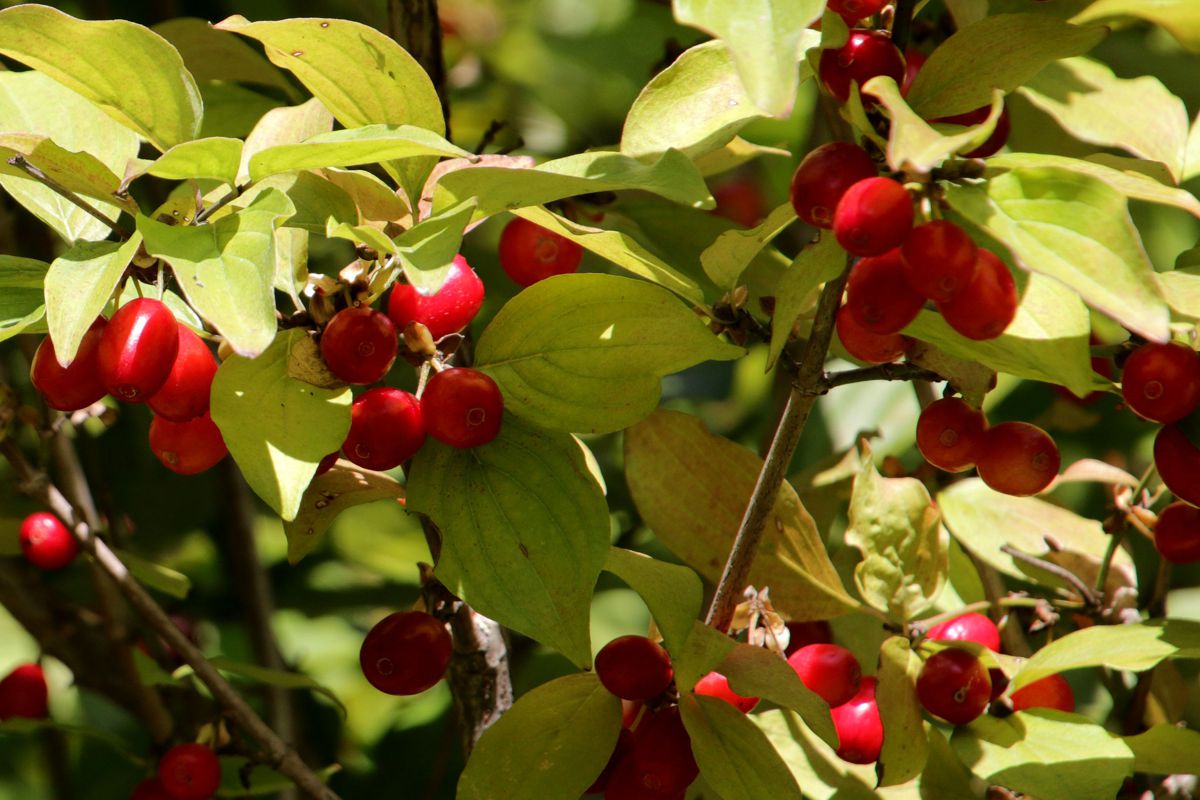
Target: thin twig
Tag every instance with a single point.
(1115, 539)
(902, 23)
(21, 163)
(203, 215)
(880, 372)
(1081, 588)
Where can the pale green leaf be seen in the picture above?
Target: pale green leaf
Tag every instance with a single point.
(814, 764)
(671, 592)
(216, 158)
(758, 672)
(702, 652)
(21, 296)
(734, 756)
(1191, 159)
(215, 55)
(905, 748)
(1180, 17)
(799, 287)
(164, 579)
(373, 198)
(370, 144)
(1165, 750)
(944, 775)
(232, 110)
(366, 235)
(728, 257)
(733, 154)
(291, 263)
(79, 285)
(1182, 290)
(316, 201)
(344, 486)
(1137, 647)
(288, 125)
(427, 249)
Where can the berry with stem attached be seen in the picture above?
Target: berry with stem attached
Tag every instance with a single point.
(23, 693)
(1161, 382)
(359, 345)
(462, 407)
(634, 668)
(824, 176)
(187, 448)
(190, 772)
(1053, 691)
(137, 349)
(1178, 463)
(185, 393)
(446, 311)
(950, 433)
(940, 259)
(879, 296)
(873, 216)
(1177, 534)
(714, 684)
(46, 542)
(954, 685)
(386, 429)
(406, 653)
(864, 55)
(865, 345)
(1018, 458)
(530, 253)
(858, 726)
(76, 386)
(829, 670)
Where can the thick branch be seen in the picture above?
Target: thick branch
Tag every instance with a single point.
(415, 26)
(879, 372)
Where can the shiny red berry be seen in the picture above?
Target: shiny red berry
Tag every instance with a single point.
(187, 448)
(150, 789)
(829, 670)
(714, 684)
(634, 668)
(950, 434)
(185, 393)
(854, 10)
(1018, 458)
(802, 634)
(359, 345)
(741, 201)
(1177, 534)
(386, 429)
(462, 407)
(913, 61)
(327, 463)
(448, 310)
(986, 306)
(858, 726)
(879, 296)
(23, 693)
(190, 772)
(873, 216)
(406, 653)
(46, 541)
(622, 748)
(1053, 691)
(1178, 463)
(530, 253)
(940, 259)
(74, 387)
(968, 628)
(993, 143)
(660, 765)
(138, 349)
(873, 348)
(865, 55)
(824, 176)
(954, 685)
(1161, 382)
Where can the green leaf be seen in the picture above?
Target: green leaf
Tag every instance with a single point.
(328, 495)
(427, 249)
(1165, 750)
(277, 426)
(1077, 230)
(701, 653)
(316, 201)
(232, 110)
(728, 257)
(525, 530)
(164, 579)
(758, 672)
(553, 742)
(291, 263)
(764, 37)
(79, 285)
(213, 55)
(129, 71)
(898, 529)
(696, 105)
(597, 368)
(1048, 754)
(288, 125)
(691, 488)
(1191, 159)
(216, 158)
(944, 775)
(240, 778)
(672, 593)
(373, 198)
(266, 677)
(227, 269)
(998, 52)
(798, 288)
(1137, 647)
(814, 764)
(1182, 289)
(905, 748)
(23, 726)
(1095, 106)
(1179, 17)
(734, 756)
(21, 297)
(369, 144)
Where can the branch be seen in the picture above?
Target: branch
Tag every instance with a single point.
(902, 23)
(880, 372)
(21, 163)
(1081, 588)
(414, 24)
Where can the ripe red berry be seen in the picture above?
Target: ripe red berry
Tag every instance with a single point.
(865, 55)
(46, 541)
(23, 693)
(873, 216)
(829, 670)
(327, 463)
(1053, 691)
(824, 176)
(448, 310)
(622, 748)
(74, 387)
(802, 634)
(359, 345)
(406, 653)
(462, 407)
(954, 685)
(187, 448)
(913, 61)
(1018, 458)
(1161, 382)
(190, 772)
(879, 296)
(858, 726)
(386, 429)
(185, 393)
(149, 789)
(1178, 463)
(950, 434)
(1177, 534)
(634, 668)
(714, 684)
(984, 307)
(138, 349)
(940, 259)
(854, 10)
(660, 765)
(993, 143)
(738, 200)
(968, 628)
(530, 253)
(874, 348)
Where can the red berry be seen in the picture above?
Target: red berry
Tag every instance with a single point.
(530, 253)
(1018, 458)
(386, 429)
(660, 765)
(913, 61)
(829, 670)
(968, 628)
(854, 10)
(462, 407)
(802, 634)
(1161, 382)
(950, 434)
(23, 693)
(149, 789)
(1053, 691)
(406, 653)
(186, 392)
(46, 542)
(954, 685)
(623, 746)
(327, 463)
(865, 55)
(1178, 463)
(1177, 534)
(448, 310)
(190, 772)
(714, 684)
(984, 307)
(359, 345)
(138, 349)
(187, 448)
(74, 387)
(880, 297)
(940, 259)
(738, 200)
(873, 216)
(634, 668)
(859, 729)
(824, 176)
(874, 348)
(993, 143)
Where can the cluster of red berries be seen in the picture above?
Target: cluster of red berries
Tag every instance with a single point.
(185, 772)
(1015, 458)
(142, 355)
(406, 653)
(24, 693)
